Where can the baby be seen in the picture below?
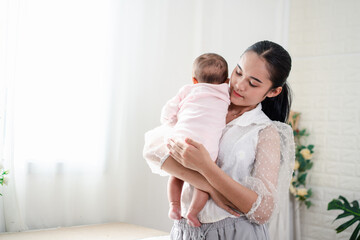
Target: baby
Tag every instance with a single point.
(198, 111)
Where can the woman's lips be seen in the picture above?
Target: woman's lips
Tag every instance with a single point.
(236, 94)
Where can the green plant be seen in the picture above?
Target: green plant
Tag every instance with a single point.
(303, 162)
(349, 210)
(3, 178)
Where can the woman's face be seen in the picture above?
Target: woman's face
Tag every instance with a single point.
(250, 81)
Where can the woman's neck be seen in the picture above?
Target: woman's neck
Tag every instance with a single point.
(236, 111)
(239, 110)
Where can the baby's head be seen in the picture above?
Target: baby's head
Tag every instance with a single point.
(210, 68)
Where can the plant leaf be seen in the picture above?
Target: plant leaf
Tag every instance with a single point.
(309, 193)
(335, 204)
(355, 233)
(355, 204)
(346, 203)
(344, 226)
(342, 204)
(302, 178)
(302, 132)
(310, 147)
(345, 214)
(308, 203)
(309, 165)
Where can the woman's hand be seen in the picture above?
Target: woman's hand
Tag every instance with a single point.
(190, 154)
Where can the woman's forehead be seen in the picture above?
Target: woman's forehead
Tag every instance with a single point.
(253, 65)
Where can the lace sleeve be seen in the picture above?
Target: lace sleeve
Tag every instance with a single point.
(271, 175)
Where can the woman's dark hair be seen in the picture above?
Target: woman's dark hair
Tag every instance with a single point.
(279, 65)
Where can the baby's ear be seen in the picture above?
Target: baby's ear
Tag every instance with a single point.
(227, 80)
(195, 81)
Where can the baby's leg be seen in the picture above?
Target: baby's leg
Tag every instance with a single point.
(197, 203)
(174, 194)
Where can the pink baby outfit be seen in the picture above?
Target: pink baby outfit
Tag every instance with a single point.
(198, 111)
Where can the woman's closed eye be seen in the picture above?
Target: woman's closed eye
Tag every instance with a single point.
(251, 84)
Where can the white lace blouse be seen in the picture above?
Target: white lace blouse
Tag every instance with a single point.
(256, 152)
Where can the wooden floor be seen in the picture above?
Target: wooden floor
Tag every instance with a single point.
(108, 231)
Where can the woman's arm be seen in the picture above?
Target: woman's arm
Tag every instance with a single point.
(175, 169)
(198, 181)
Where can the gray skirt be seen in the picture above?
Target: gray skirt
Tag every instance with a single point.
(226, 229)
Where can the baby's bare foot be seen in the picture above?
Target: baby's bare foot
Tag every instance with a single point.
(192, 220)
(175, 211)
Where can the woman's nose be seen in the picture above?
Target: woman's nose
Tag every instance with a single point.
(240, 84)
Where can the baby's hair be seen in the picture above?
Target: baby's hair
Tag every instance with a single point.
(210, 68)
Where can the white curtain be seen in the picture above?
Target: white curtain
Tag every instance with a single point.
(56, 62)
(85, 79)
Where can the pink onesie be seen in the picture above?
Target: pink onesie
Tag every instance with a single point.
(198, 111)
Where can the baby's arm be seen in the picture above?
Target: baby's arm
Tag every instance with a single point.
(170, 110)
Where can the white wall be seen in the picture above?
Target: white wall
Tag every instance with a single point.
(324, 41)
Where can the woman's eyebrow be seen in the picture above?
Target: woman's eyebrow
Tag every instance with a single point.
(256, 79)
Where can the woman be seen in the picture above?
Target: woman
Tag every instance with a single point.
(256, 155)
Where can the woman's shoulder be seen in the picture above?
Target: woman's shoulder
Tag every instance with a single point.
(282, 134)
(283, 128)
(268, 132)
(275, 130)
